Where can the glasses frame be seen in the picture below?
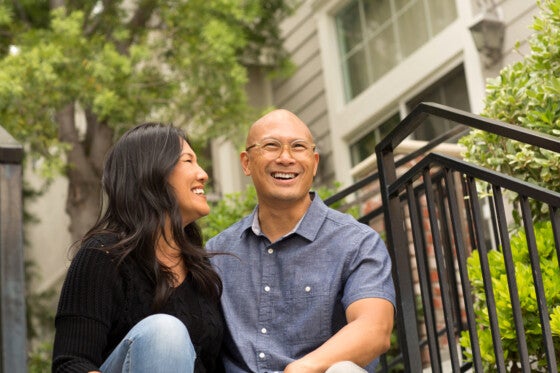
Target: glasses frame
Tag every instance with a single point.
(260, 146)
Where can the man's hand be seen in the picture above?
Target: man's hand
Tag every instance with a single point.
(302, 366)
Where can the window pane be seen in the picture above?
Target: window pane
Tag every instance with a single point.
(388, 126)
(401, 4)
(413, 30)
(378, 14)
(455, 92)
(385, 32)
(451, 91)
(365, 147)
(383, 52)
(348, 27)
(356, 74)
(443, 12)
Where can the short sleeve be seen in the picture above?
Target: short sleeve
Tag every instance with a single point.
(369, 272)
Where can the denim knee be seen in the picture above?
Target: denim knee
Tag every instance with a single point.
(158, 343)
(166, 332)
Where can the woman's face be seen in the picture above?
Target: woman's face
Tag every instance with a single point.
(188, 179)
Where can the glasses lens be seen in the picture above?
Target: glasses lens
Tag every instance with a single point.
(297, 149)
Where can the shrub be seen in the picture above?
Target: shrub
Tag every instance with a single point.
(527, 296)
(527, 94)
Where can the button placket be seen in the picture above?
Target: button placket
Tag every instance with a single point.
(265, 309)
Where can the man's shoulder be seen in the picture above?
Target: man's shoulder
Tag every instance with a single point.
(346, 220)
(231, 232)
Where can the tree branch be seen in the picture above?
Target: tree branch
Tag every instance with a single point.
(138, 22)
(99, 138)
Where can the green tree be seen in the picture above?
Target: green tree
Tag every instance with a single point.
(526, 93)
(74, 75)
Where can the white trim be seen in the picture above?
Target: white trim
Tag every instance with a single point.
(369, 164)
(447, 50)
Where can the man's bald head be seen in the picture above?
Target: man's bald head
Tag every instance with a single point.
(280, 118)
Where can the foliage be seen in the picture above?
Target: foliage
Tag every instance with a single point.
(172, 61)
(527, 296)
(39, 361)
(526, 93)
(74, 75)
(39, 306)
(228, 210)
(40, 321)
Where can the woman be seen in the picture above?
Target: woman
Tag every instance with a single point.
(140, 294)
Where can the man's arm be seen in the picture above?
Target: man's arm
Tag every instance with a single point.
(366, 336)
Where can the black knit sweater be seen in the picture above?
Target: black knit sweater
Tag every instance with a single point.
(100, 303)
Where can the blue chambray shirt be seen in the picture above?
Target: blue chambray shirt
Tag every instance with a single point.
(285, 299)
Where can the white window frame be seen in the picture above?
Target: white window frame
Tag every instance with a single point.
(425, 66)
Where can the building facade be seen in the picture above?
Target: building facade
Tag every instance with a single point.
(363, 65)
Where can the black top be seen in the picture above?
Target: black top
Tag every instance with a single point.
(101, 302)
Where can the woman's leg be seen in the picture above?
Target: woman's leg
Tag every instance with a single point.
(158, 343)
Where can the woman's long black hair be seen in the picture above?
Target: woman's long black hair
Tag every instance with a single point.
(139, 199)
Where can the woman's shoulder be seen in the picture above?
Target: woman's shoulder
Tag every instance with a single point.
(100, 240)
(96, 248)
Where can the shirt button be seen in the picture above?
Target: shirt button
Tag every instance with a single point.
(308, 289)
(267, 288)
(263, 330)
(262, 355)
(270, 250)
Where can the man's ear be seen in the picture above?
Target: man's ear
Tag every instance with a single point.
(244, 157)
(316, 156)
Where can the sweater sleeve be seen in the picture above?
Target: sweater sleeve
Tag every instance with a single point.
(83, 318)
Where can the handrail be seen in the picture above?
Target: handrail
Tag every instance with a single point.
(425, 109)
(453, 220)
(374, 176)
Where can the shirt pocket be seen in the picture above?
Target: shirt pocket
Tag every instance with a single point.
(305, 314)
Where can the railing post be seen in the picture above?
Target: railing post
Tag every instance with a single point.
(13, 330)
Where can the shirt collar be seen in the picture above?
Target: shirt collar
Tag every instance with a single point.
(307, 227)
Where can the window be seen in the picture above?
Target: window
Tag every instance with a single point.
(451, 90)
(375, 35)
(365, 146)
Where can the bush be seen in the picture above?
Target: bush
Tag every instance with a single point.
(527, 296)
(527, 94)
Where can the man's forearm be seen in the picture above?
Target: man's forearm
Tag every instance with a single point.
(364, 338)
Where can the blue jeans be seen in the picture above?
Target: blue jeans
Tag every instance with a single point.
(158, 343)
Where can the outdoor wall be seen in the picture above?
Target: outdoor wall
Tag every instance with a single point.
(304, 92)
(47, 239)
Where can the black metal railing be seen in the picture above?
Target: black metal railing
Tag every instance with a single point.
(435, 220)
(388, 363)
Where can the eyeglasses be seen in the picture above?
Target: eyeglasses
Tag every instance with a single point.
(272, 148)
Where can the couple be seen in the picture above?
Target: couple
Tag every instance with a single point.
(305, 288)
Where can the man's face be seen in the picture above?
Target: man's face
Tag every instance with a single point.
(281, 159)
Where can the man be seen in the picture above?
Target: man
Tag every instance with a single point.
(306, 286)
